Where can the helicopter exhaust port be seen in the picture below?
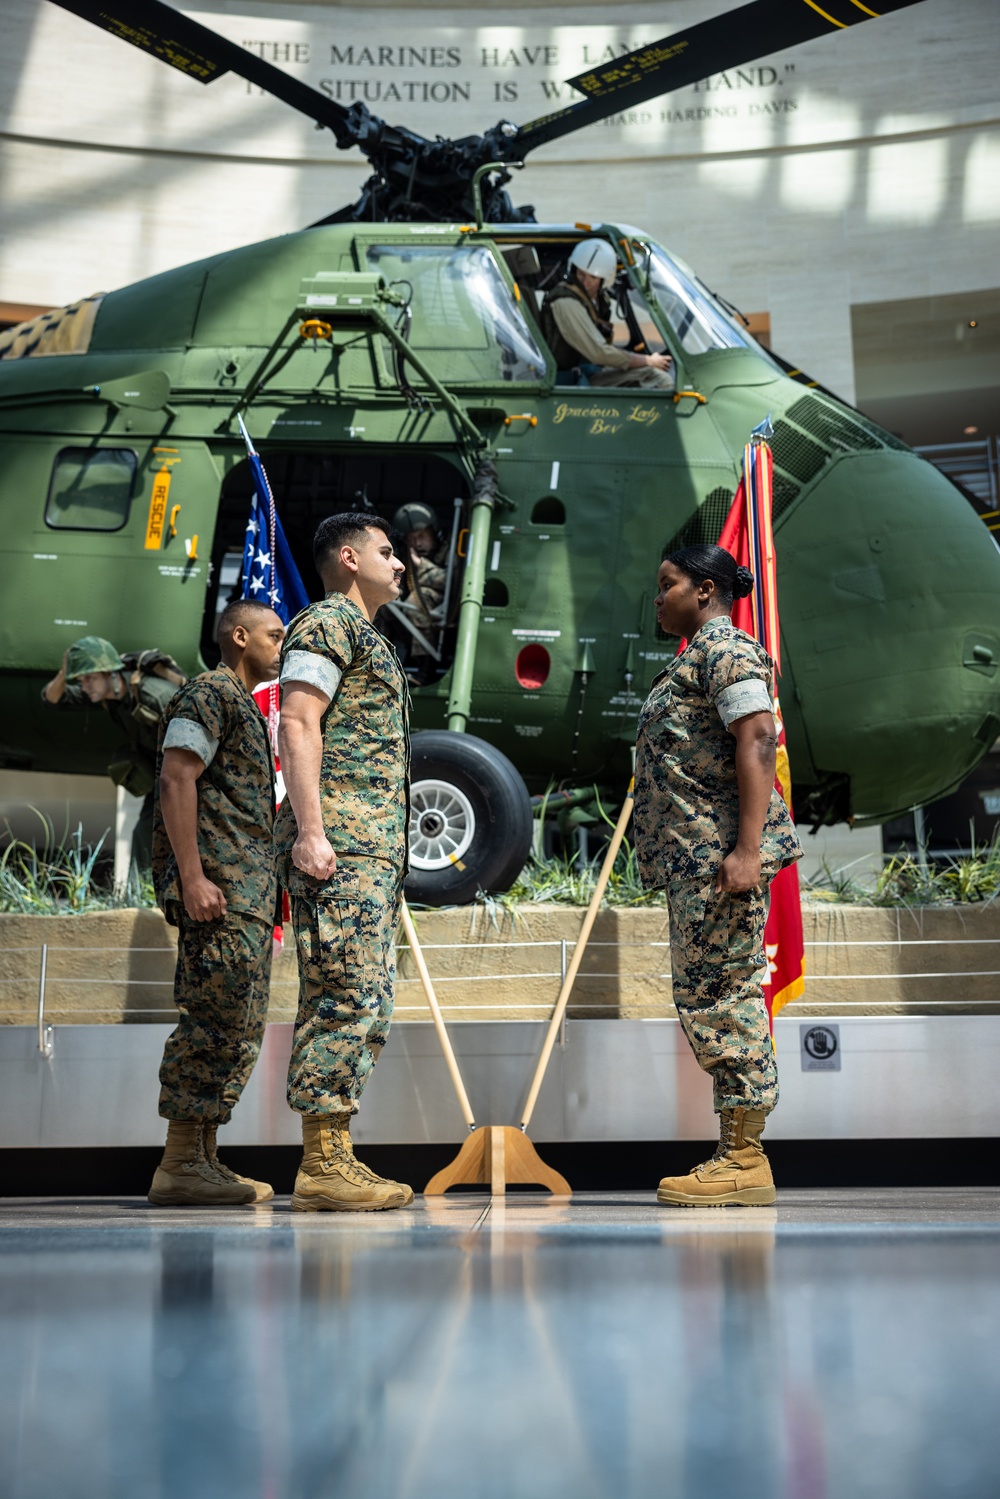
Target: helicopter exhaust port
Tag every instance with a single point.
(470, 819)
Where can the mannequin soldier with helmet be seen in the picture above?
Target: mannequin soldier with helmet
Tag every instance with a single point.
(426, 554)
(134, 690)
(577, 324)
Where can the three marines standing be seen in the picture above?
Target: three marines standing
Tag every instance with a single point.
(710, 829)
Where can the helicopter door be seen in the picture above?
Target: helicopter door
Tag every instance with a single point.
(311, 484)
(96, 555)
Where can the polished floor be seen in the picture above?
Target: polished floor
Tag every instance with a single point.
(840, 1345)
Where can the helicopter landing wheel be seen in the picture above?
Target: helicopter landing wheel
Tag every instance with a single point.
(442, 824)
(470, 819)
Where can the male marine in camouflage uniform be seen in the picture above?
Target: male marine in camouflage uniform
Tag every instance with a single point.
(214, 869)
(687, 821)
(341, 838)
(93, 674)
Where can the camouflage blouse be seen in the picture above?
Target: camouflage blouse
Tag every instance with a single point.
(216, 717)
(364, 772)
(687, 803)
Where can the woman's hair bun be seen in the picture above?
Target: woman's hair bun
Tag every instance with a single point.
(742, 583)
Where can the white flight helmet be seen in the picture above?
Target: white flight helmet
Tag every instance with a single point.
(597, 258)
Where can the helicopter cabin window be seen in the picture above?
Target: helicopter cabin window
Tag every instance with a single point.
(699, 321)
(91, 489)
(461, 309)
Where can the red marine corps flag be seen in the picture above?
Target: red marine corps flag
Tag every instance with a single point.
(748, 535)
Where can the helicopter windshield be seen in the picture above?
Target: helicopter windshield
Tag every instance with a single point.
(462, 310)
(698, 320)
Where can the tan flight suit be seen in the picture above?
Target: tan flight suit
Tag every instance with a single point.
(580, 333)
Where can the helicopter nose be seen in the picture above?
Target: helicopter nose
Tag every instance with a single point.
(889, 591)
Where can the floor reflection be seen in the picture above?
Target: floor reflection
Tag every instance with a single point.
(837, 1345)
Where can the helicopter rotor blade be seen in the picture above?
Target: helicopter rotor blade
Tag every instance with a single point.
(726, 41)
(204, 55)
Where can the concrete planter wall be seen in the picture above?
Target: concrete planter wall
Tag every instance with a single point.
(116, 967)
(859, 960)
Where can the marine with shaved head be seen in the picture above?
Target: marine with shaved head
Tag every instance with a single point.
(214, 873)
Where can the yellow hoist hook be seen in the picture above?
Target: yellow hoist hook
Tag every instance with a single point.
(315, 329)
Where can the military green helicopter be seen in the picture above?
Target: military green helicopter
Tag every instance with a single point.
(392, 353)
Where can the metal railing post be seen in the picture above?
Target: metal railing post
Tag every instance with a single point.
(45, 1032)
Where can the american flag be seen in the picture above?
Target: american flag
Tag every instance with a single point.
(269, 571)
(270, 575)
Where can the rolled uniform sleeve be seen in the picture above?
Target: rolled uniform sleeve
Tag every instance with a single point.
(198, 719)
(742, 698)
(316, 671)
(736, 677)
(186, 734)
(578, 329)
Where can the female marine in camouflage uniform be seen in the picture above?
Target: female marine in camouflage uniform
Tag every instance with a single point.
(712, 831)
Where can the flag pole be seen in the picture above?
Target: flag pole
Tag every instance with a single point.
(436, 1016)
(578, 952)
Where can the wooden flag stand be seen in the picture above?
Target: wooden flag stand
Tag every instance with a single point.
(494, 1155)
(578, 952)
(436, 1016)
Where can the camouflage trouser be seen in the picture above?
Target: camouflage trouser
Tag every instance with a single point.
(717, 962)
(345, 934)
(221, 988)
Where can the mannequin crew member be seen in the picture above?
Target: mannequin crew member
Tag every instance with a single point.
(577, 324)
(134, 697)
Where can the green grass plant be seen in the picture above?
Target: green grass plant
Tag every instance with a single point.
(72, 878)
(905, 880)
(560, 879)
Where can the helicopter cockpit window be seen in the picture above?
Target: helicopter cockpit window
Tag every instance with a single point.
(699, 322)
(463, 311)
(91, 489)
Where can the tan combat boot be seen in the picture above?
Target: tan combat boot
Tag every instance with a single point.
(738, 1175)
(332, 1179)
(263, 1191)
(185, 1178)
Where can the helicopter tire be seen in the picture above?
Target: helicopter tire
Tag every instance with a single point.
(471, 819)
